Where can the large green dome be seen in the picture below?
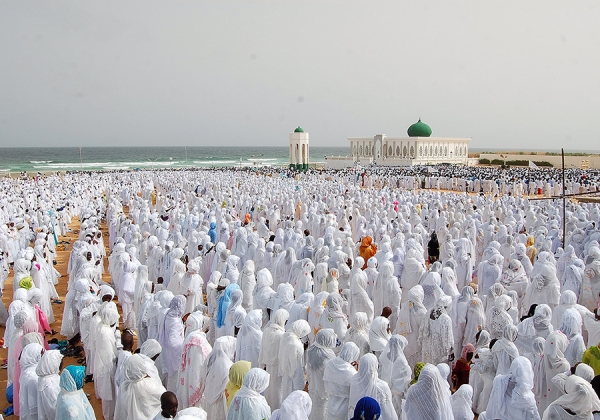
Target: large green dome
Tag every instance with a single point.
(300, 130)
(419, 129)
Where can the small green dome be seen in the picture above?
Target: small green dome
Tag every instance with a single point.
(419, 129)
(298, 130)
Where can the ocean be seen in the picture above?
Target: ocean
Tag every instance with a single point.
(49, 159)
(52, 159)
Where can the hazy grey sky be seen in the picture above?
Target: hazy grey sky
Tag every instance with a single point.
(133, 73)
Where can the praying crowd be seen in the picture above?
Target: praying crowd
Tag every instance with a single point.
(238, 295)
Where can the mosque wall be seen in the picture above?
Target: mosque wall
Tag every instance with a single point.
(570, 161)
(402, 151)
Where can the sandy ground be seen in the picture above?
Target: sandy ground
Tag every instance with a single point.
(62, 259)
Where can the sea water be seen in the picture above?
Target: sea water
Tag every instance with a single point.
(51, 159)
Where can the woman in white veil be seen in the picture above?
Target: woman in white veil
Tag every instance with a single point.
(429, 397)
(512, 397)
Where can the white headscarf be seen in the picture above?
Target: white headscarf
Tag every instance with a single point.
(291, 349)
(248, 401)
(139, 396)
(217, 368)
(429, 397)
(297, 406)
(378, 333)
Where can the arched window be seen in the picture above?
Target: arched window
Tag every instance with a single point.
(360, 150)
(412, 152)
(354, 150)
(420, 150)
(405, 152)
(373, 150)
(455, 150)
(430, 150)
(446, 151)
(390, 151)
(436, 151)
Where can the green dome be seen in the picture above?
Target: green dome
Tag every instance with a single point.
(419, 129)
(298, 130)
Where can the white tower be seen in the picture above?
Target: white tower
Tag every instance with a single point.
(299, 151)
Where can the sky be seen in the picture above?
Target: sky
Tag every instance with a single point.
(509, 74)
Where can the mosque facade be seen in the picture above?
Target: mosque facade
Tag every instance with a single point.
(299, 151)
(418, 148)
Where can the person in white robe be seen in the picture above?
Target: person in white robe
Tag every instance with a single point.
(379, 334)
(435, 334)
(247, 282)
(299, 309)
(105, 358)
(336, 377)
(139, 396)
(150, 351)
(195, 351)
(475, 322)
(489, 272)
(317, 355)
(291, 357)
(579, 402)
(127, 292)
(538, 325)
(334, 317)
(429, 397)
(504, 350)
(498, 317)
(248, 403)
(462, 400)
(48, 370)
(171, 338)
(366, 383)
(590, 287)
(234, 317)
(386, 291)
(458, 314)
(554, 363)
(28, 395)
(297, 406)
(268, 357)
(303, 282)
(395, 370)
(192, 285)
(568, 300)
(544, 287)
(571, 327)
(359, 299)
(249, 338)
(512, 397)
(358, 333)
(411, 316)
(216, 377)
(414, 269)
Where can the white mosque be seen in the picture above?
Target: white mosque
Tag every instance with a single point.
(419, 148)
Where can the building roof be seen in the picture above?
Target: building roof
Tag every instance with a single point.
(419, 129)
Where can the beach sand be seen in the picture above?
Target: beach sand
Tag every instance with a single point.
(62, 259)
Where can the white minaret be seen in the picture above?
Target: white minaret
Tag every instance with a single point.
(299, 151)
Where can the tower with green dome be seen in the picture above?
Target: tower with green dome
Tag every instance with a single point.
(299, 149)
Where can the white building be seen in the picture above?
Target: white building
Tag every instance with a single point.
(419, 148)
(299, 151)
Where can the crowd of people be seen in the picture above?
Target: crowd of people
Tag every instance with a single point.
(388, 294)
